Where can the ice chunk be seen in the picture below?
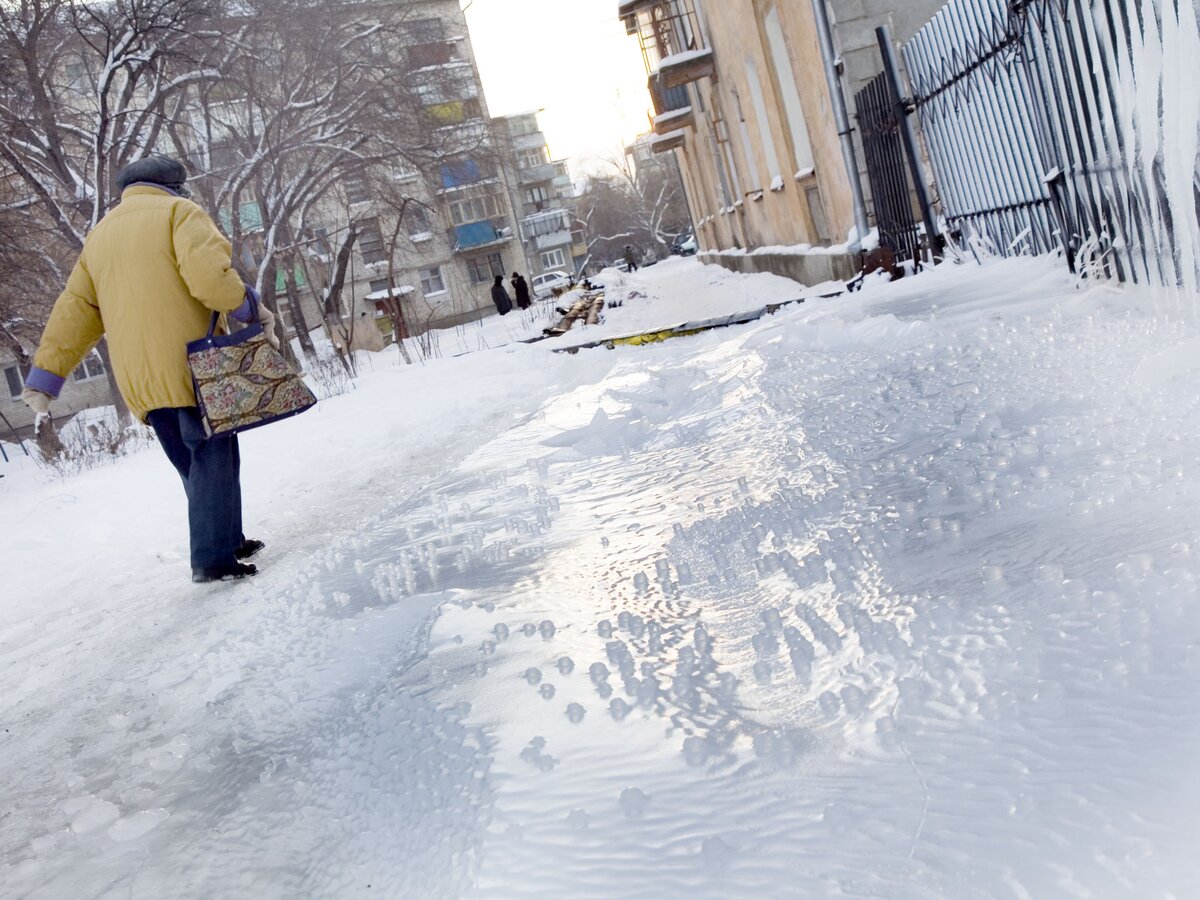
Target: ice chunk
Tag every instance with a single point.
(634, 802)
(90, 813)
(716, 853)
(135, 826)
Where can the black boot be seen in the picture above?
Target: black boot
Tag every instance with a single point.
(223, 573)
(249, 547)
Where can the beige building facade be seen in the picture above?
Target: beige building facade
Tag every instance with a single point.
(740, 93)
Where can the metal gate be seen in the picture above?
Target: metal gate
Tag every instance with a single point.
(879, 125)
(1034, 116)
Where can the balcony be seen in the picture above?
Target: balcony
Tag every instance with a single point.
(464, 173)
(436, 54)
(479, 235)
(533, 141)
(536, 174)
(667, 99)
(684, 68)
(550, 222)
(668, 141)
(675, 120)
(548, 229)
(674, 47)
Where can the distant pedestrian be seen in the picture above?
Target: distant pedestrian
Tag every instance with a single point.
(521, 291)
(630, 258)
(500, 297)
(150, 276)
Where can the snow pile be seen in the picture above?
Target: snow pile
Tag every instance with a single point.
(891, 594)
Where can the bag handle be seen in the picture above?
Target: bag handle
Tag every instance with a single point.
(212, 326)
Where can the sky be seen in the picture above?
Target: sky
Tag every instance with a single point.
(570, 58)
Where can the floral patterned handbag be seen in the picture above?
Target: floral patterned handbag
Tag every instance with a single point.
(243, 382)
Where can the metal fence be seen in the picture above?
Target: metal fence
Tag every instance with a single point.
(879, 124)
(1035, 120)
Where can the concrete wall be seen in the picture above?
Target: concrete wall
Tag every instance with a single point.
(807, 269)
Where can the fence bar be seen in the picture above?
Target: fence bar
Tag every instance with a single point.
(892, 70)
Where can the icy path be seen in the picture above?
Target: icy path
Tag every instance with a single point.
(890, 597)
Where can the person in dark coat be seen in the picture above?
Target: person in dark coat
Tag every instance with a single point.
(521, 291)
(631, 258)
(500, 297)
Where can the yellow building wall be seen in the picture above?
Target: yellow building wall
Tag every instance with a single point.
(762, 217)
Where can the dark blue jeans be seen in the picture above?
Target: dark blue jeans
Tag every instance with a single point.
(211, 473)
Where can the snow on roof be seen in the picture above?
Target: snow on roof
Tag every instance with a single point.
(681, 113)
(680, 59)
(678, 134)
(401, 290)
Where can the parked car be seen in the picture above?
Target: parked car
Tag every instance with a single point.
(544, 285)
(685, 245)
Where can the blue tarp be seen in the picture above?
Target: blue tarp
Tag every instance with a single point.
(476, 233)
(456, 174)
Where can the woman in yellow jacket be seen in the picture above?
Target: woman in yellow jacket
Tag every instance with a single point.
(150, 276)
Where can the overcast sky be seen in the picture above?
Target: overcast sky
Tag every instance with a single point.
(571, 58)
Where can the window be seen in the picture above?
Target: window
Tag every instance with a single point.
(801, 144)
(321, 242)
(432, 281)
(764, 124)
(416, 219)
(552, 259)
(530, 158)
(16, 383)
(747, 144)
(379, 284)
(424, 55)
(537, 195)
(474, 209)
(90, 368)
(370, 242)
(424, 31)
(484, 269)
(356, 189)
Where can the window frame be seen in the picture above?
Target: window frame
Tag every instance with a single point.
(13, 377)
(92, 367)
(493, 262)
(371, 245)
(438, 277)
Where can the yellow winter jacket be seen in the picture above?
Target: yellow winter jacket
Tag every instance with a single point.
(150, 276)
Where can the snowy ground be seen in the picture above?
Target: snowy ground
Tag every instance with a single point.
(890, 595)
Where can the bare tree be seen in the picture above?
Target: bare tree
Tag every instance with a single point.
(86, 88)
(645, 206)
(320, 97)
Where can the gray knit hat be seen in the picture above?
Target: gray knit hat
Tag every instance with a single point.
(156, 169)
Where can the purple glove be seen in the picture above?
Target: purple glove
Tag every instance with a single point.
(248, 311)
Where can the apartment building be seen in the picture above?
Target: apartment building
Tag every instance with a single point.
(544, 195)
(459, 228)
(740, 94)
